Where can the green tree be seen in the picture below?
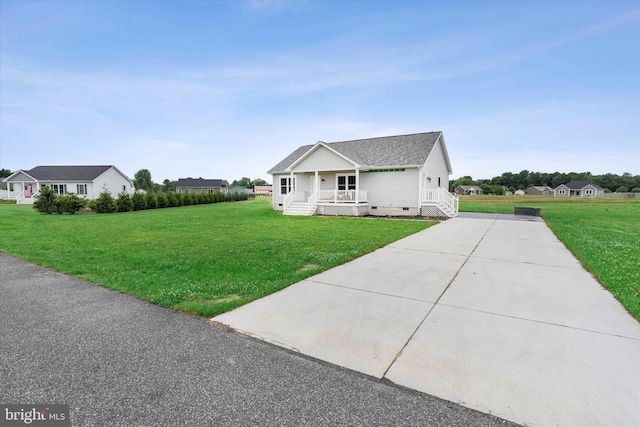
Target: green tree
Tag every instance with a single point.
(172, 199)
(105, 203)
(139, 201)
(622, 189)
(69, 203)
(45, 201)
(243, 182)
(465, 180)
(124, 202)
(152, 201)
(169, 186)
(142, 180)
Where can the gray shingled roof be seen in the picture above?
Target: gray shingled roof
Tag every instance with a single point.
(386, 151)
(579, 185)
(199, 182)
(67, 173)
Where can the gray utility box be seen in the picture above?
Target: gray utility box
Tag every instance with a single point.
(528, 211)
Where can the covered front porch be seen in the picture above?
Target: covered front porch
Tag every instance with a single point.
(324, 193)
(22, 192)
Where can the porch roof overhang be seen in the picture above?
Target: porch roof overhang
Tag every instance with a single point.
(19, 171)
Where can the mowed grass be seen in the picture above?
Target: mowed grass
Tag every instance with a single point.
(603, 234)
(204, 259)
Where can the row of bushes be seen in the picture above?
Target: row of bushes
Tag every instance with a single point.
(105, 203)
(48, 202)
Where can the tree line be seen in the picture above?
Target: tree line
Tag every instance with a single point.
(525, 179)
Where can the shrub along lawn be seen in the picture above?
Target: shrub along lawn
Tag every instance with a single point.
(204, 259)
(604, 234)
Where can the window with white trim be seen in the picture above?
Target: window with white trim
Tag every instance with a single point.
(346, 182)
(286, 184)
(59, 188)
(81, 189)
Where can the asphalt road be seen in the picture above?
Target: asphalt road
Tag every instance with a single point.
(119, 361)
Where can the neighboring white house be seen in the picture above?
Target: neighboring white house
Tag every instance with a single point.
(405, 175)
(85, 181)
(578, 189)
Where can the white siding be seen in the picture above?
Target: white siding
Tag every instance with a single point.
(386, 189)
(112, 180)
(279, 198)
(436, 167)
(329, 180)
(323, 159)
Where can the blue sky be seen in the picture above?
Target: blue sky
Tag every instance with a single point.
(227, 89)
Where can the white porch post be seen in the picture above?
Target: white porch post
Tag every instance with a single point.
(291, 182)
(317, 185)
(357, 185)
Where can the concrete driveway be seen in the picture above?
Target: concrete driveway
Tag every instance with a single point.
(118, 361)
(488, 311)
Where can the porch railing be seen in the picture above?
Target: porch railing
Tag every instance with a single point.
(313, 199)
(342, 196)
(287, 200)
(440, 196)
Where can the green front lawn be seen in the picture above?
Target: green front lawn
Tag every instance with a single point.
(204, 259)
(604, 234)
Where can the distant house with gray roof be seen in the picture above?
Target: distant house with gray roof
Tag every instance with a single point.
(578, 189)
(85, 181)
(472, 190)
(200, 186)
(540, 190)
(403, 175)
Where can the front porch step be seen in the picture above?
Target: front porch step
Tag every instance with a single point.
(298, 209)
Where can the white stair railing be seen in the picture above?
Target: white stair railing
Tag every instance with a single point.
(441, 197)
(287, 200)
(311, 206)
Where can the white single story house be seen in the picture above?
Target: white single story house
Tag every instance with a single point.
(578, 189)
(200, 186)
(85, 181)
(404, 175)
(471, 190)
